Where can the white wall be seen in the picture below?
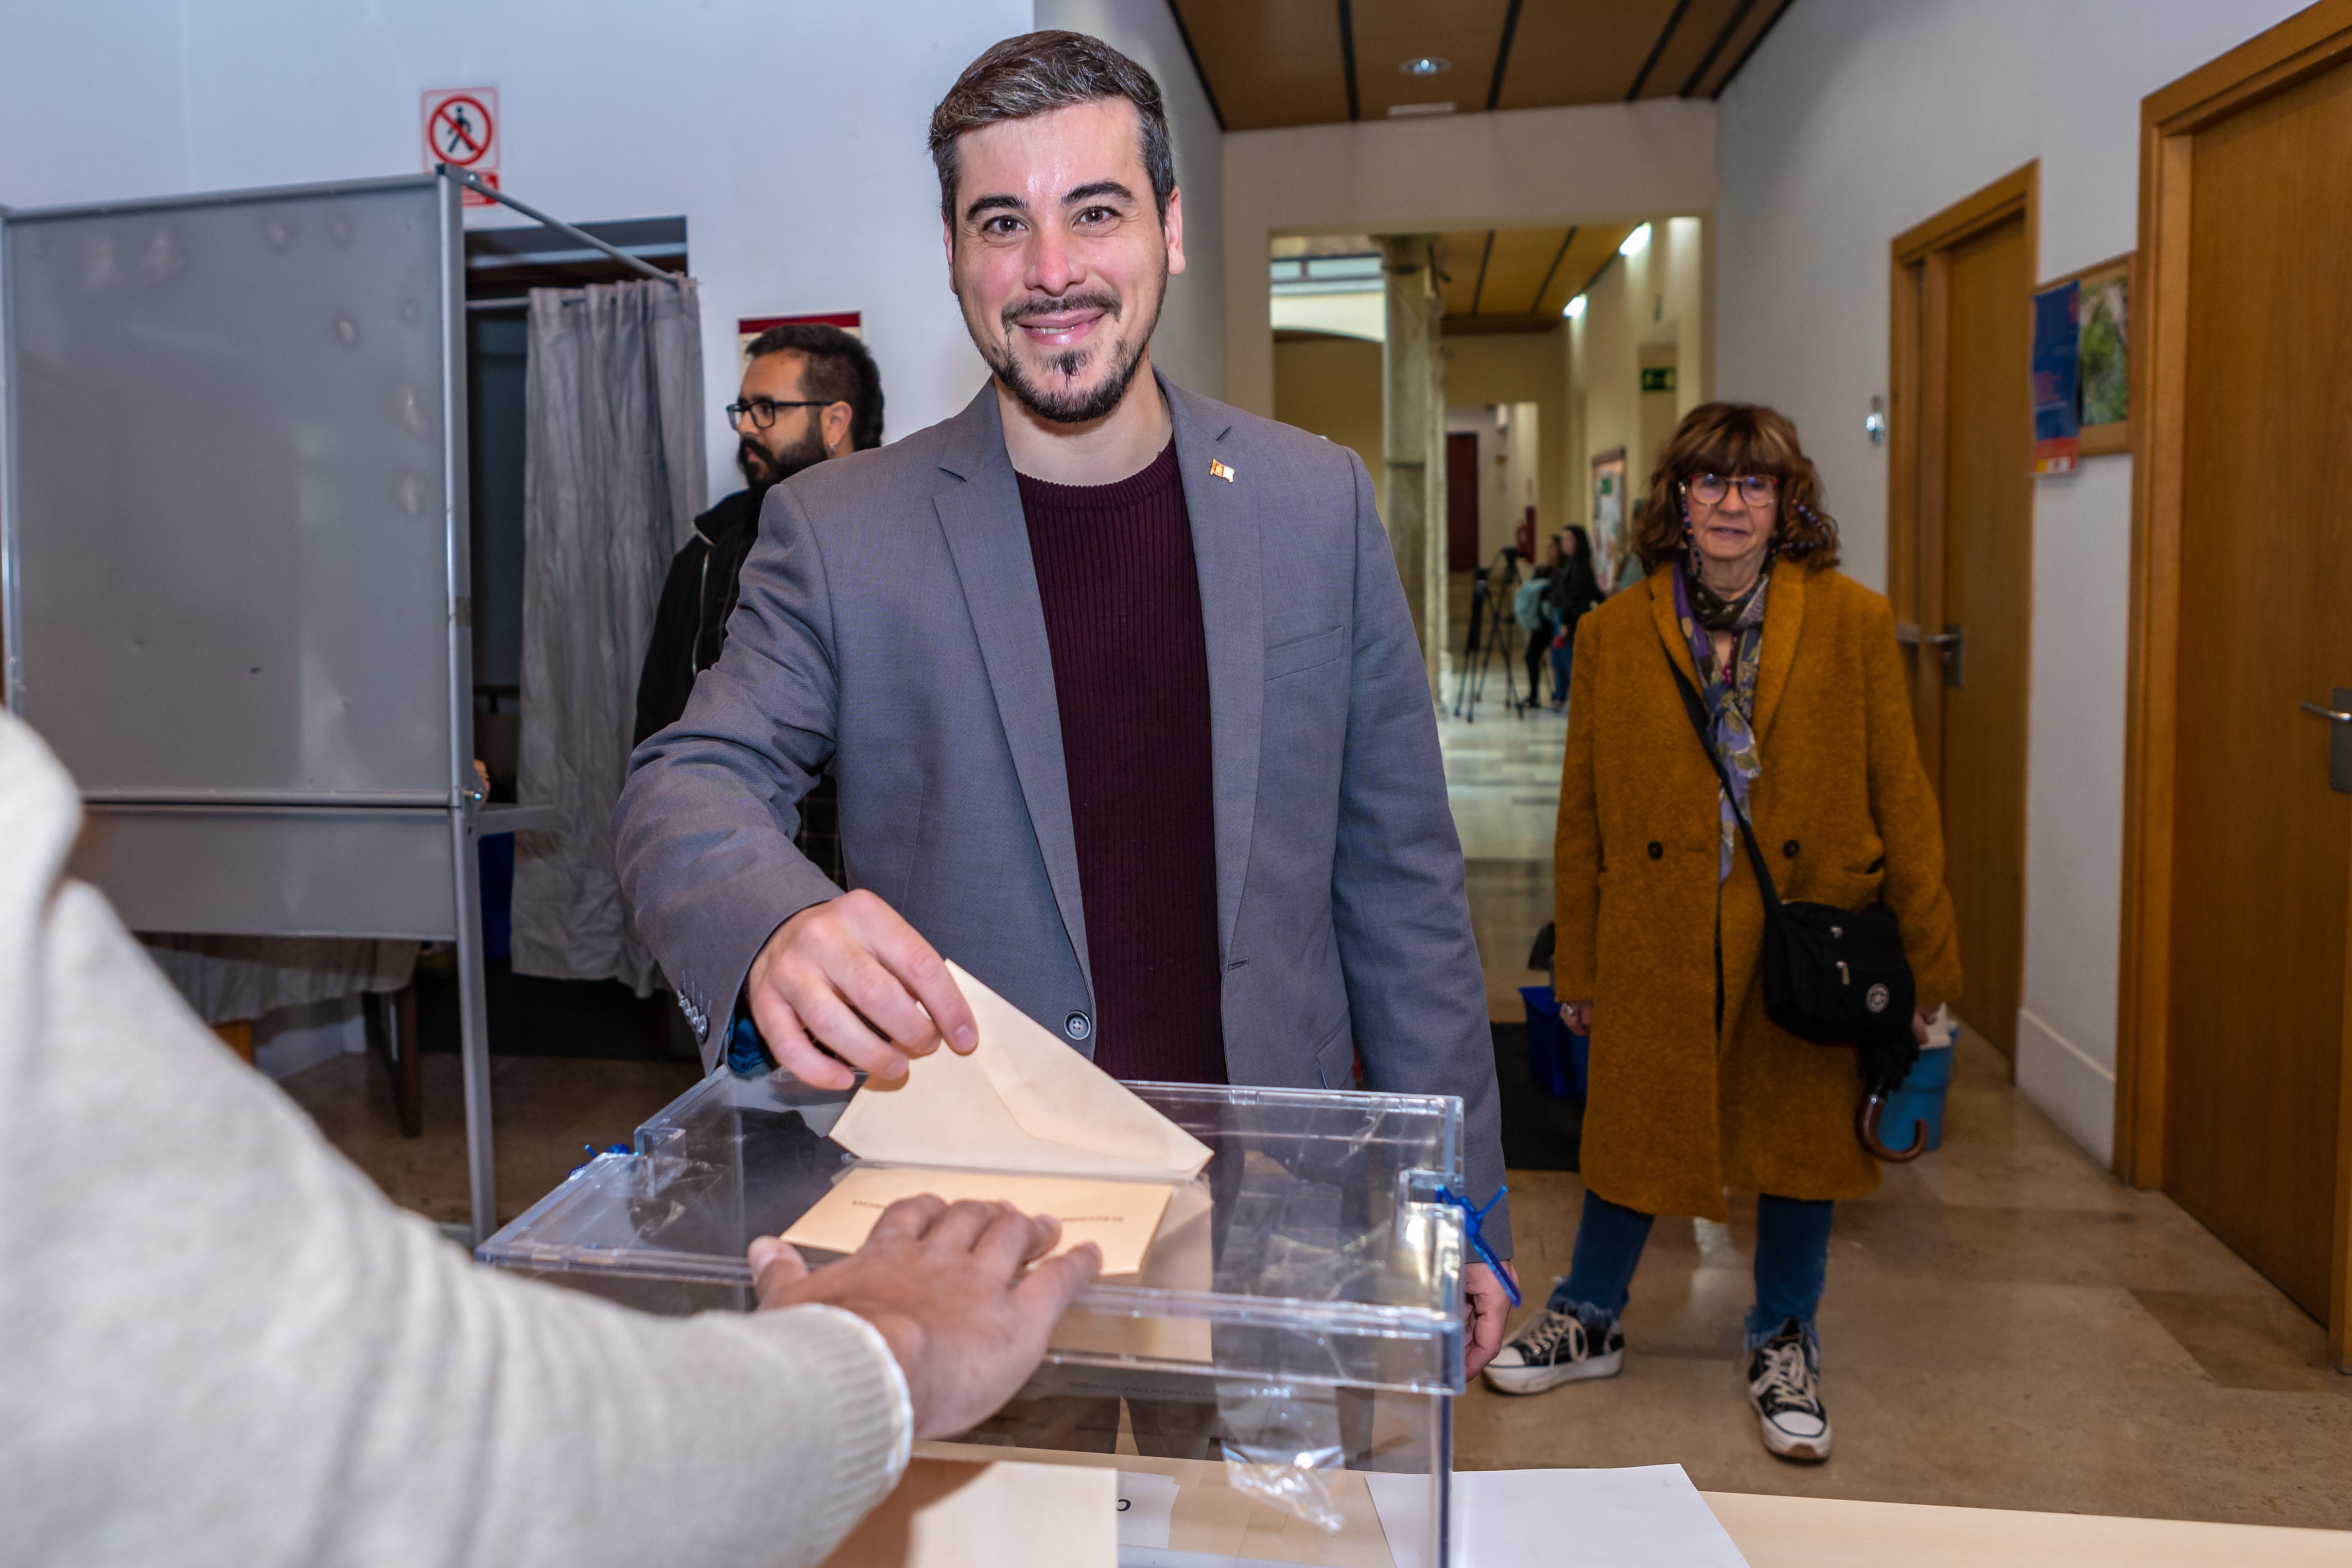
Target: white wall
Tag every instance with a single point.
(1856, 119)
(790, 134)
(1647, 308)
(1522, 168)
(1190, 345)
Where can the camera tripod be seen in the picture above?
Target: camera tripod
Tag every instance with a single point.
(1494, 634)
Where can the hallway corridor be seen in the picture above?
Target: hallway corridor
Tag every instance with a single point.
(2007, 1325)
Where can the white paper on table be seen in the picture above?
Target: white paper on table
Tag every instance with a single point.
(1146, 1502)
(1646, 1516)
(950, 1513)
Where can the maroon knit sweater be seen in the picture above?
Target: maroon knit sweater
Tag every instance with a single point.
(1131, 679)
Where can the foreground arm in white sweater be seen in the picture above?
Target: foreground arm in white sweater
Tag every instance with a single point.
(223, 1345)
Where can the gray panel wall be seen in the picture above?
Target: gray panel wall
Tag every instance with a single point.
(229, 498)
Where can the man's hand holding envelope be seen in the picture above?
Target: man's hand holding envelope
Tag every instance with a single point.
(1026, 1121)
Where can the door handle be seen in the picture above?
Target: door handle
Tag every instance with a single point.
(1951, 642)
(2339, 737)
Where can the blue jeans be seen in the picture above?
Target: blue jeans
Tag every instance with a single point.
(1563, 659)
(1792, 1257)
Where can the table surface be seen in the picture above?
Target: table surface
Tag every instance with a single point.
(1770, 1531)
(1827, 1533)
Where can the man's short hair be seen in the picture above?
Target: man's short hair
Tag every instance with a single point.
(839, 369)
(1036, 74)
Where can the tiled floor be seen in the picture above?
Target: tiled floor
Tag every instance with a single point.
(545, 1110)
(2006, 1324)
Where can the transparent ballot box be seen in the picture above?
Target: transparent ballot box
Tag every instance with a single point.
(1288, 1353)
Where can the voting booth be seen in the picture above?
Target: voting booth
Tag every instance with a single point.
(1287, 1349)
(234, 593)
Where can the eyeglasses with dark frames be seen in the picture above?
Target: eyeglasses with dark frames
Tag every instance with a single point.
(1709, 490)
(762, 410)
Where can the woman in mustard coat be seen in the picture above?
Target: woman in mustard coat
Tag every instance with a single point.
(1692, 1088)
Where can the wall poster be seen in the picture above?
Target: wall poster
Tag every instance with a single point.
(2056, 368)
(1609, 541)
(2100, 326)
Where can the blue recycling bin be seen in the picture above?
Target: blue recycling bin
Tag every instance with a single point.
(1556, 1055)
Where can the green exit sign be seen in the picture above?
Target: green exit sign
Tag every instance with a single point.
(1658, 378)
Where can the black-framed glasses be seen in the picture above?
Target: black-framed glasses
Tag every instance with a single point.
(762, 410)
(1756, 490)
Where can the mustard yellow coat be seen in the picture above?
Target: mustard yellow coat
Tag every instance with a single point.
(1676, 1111)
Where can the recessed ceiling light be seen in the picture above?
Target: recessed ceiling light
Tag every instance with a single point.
(1636, 242)
(1425, 65)
(1574, 308)
(1401, 111)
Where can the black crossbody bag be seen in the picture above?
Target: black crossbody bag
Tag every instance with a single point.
(1834, 976)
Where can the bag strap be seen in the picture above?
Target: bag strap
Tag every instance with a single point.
(1696, 709)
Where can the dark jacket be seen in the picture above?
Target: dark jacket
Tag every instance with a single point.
(1573, 592)
(690, 627)
(690, 624)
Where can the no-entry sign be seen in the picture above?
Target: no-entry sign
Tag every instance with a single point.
(461, 127)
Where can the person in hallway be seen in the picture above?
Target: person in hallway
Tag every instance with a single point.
(1573, 592)
(1532, 608)
(1692, 1088)
(226, 1346)
(809, 392)
(1129, 714)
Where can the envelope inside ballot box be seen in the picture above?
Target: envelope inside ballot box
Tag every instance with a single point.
(1022, 1119)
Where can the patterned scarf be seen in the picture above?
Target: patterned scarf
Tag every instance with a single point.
(1729, 696)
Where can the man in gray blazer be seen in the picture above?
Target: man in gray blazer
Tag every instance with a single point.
(1126, 711)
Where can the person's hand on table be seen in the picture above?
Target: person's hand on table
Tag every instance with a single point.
(852, 977)
(1577, 1015)
(1489, 1306)
(945, 1288)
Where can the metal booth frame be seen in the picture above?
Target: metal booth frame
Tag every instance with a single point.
(397, 864)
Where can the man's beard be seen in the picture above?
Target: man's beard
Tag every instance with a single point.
(763, 469)
(1071, 407)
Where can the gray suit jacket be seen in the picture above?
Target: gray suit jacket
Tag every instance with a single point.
(889, 624)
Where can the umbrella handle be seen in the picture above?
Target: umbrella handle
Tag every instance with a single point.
(1865, 1128)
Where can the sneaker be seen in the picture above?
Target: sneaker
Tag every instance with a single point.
(1784, 1388)
(1553, 1348)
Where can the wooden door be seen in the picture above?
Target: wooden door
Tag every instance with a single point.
(1964, 283)
(1462, 500)
(2262, 844)
(1988, 576)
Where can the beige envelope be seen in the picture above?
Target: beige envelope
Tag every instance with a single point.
(1120, 1217)
(1003, 1514)
(1023, 1101)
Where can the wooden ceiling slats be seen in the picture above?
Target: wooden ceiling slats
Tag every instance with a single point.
(1518, 279)
(1269, 62)
(1582, 51)
(1743, 43)
(1305, 62)
(1703, 26)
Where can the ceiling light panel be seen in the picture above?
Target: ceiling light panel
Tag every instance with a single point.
(1390, 35)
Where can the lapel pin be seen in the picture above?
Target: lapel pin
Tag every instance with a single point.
(1219, 470)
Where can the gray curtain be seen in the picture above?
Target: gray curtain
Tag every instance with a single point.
(613, 477)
